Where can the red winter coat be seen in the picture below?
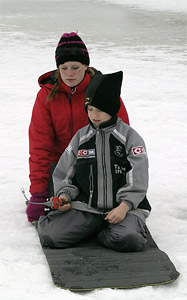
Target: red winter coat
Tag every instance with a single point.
(52, 126)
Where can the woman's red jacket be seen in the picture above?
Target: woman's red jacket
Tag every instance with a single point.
(52, 126)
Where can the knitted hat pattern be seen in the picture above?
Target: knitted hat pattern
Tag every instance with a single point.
(104, 91)
(71, 48)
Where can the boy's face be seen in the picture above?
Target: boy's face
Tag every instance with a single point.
(97, 116)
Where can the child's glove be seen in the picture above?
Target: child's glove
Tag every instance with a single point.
(34, 211)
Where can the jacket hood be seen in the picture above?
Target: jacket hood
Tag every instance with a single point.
(48, 79)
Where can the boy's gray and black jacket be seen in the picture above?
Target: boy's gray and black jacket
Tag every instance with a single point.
(103, 167)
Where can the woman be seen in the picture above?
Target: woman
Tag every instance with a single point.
(57, 114)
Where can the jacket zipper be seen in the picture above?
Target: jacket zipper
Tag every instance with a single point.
(91, 186)
(104, 172)
(73, 90)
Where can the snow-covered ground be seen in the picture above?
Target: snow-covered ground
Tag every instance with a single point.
(146, 40)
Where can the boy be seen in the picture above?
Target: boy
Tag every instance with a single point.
(103, 178)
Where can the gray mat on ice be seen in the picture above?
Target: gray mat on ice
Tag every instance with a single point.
(89, 266)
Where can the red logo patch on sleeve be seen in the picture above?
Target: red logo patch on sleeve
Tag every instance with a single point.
(138, 150)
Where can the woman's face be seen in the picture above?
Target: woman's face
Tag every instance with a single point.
(72, 72)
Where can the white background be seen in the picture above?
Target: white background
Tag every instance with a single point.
(146, 40)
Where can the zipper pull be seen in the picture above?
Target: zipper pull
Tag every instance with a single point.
(73, 90)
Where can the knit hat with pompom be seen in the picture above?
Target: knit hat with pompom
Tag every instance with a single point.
(71, 48)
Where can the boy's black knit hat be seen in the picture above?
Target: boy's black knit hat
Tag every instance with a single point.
(104, 91)
(71, 48)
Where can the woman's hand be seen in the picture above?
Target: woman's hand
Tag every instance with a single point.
(117, 214)
(64, 207)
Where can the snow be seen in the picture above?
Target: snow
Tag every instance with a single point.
(152, 5)
(147, 41)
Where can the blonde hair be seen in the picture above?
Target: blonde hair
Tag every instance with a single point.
(53, 93)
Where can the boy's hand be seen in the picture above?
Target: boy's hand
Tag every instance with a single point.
(64, 207)
(117, 214)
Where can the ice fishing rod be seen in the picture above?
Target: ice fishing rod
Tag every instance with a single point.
(52, 203)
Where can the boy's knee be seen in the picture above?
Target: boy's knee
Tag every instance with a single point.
(46, 241)
(49, 236)
(132, 242)
(51, 240)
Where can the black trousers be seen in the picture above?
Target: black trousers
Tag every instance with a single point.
(64, 229)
